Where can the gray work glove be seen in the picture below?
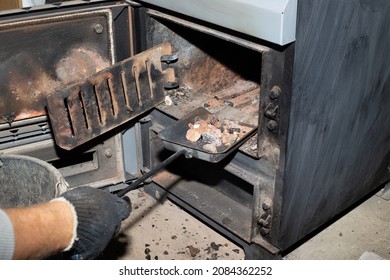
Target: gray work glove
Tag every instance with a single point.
(99, 216)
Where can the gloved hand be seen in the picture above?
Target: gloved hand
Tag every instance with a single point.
(99, 216)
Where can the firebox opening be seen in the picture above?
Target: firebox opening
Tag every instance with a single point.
(212, 72)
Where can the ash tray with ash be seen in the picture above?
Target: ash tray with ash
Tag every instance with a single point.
(214, 132)
(202, 131)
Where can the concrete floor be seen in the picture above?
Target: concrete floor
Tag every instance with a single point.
(364, 229)
(164, 231)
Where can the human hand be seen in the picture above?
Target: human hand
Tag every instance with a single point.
(99, 215)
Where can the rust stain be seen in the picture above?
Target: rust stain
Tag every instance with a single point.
(207, 75)
(79, 64)
(246, 99)
(166, 178)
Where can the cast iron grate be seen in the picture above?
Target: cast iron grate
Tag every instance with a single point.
(110, 97)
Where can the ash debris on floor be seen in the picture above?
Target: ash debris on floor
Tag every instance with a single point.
(163, 231)
(156, 231)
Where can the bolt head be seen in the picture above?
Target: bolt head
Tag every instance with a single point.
(264, 231)
(265, 206)
(275, 93)
(99, 28)
(108, 153)
(272, 125)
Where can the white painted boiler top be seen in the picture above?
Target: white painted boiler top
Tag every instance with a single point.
(269, 20)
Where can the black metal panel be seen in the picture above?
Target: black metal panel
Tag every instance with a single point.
(339, 132)
(40, 55)
(121, 32)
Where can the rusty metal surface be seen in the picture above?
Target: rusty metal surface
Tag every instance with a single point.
(109, 98)
(39, 56)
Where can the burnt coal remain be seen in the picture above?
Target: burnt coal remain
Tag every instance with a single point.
(215, 133)
(195, 133)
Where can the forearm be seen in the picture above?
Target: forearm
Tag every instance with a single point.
(41, 230)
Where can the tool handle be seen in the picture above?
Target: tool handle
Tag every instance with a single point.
(145, 176)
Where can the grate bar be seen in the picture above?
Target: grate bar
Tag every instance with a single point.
(109, 98)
